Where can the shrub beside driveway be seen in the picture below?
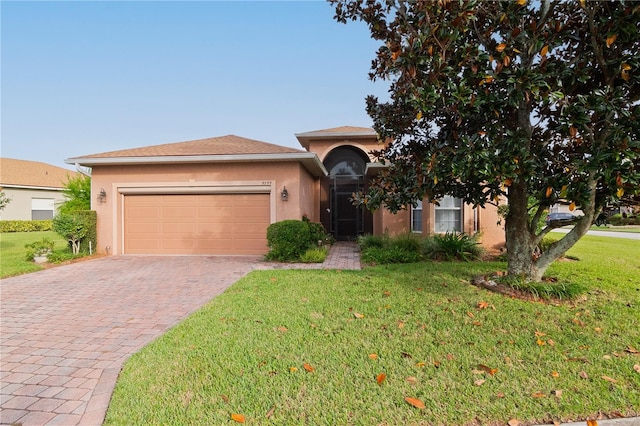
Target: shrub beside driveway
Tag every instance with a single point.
(331, 347)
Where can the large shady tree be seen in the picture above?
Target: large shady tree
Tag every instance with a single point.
(528, 102)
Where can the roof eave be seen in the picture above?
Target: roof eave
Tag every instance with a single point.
(309, 160)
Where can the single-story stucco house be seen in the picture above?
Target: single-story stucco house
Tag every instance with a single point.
(35, 189)
(219, 195)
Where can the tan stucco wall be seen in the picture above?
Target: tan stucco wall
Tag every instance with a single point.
(273, 176)
(20, 206)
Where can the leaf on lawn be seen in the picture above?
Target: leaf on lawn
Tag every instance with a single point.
(500, 395)
(358, 315)
(477, 323)
(636, 367)
(557, 392)
(406, 355)
(270, 412)
(450, 357)
(411, 379)
(386, 293)
(583, 374)
(538, 395)
(550, 342)
(381, 378)
(436, 364)
(400, 324)
(420, 364)
(606, 357)
(293, 369)
(513, 422)
(373, 356)
(555, 374)
(225, 398)
(308, 367)
(415, 402)
(540, 333)
(598, 330)
(592, 423)
(489, 370)
(283, 329)
(541, 342)
(470, 314)
(632, 350)
(609, 379)
(577, 321)
(237, 418)
(479, 382)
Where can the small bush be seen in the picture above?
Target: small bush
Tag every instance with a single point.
(408, 242)
(25, 225)
(317, 233)
(545, 290)
(287, 240)
(39, 248)
(369, 241)
(620, 220)
(391, 254)
(314, 255)
(452, 246)
(60, 256)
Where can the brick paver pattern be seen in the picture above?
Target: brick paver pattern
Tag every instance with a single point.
(67, 331)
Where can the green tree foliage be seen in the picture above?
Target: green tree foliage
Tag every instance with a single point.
(509, 100)
(77, 190)
(4, 200)
(71, 227)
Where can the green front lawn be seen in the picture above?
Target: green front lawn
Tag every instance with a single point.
(330, 347)
(13, 252)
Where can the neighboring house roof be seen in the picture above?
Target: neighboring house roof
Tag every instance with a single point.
(228, 148)
(32, 174)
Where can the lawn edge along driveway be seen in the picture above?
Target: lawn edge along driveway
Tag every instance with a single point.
(67, 331)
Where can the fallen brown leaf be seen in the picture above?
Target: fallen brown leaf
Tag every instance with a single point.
(283, 329)
(584, 375)
(483, 305)
(470, 314)
(540, 333)
(270, 412)
(479, 382)
(609, 379)
(632, 350)
(358, 315)
(500, 395)
(225, 398)
(592, 423)
(373, 356)
(412, 380)
(293, 369)
(489, 370)
(308, 367)
(636, 367)
(557, 392)
(415, 402)
(513, 422)
(555, 374)
(538, 395)
(381, 378)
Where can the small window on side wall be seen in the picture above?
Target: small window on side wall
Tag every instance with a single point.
(416, 217)
(449, 215)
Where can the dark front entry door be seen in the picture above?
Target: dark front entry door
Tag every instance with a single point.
(347, 219)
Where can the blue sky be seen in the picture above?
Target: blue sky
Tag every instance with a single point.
(86, 77)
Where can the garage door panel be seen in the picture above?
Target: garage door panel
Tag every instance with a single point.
(196, 224)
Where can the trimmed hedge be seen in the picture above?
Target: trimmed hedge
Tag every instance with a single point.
(25, 225)
(288, 239)
(619, 220)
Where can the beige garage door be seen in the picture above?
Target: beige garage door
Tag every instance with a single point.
(230, 224)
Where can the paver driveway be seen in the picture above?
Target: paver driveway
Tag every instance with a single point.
(67, 331)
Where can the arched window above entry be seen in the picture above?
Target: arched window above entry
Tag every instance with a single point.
(346, 161)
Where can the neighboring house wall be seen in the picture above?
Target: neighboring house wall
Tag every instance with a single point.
(271, 178)
(31, 204)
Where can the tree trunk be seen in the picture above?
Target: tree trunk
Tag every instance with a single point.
(519, 241)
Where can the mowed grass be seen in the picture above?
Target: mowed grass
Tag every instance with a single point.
(472, 356)
(13, 252)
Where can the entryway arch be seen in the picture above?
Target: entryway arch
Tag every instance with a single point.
(346, 165)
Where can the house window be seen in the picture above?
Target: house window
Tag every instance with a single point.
(449, 215)
(42, 208)
(416, 217)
